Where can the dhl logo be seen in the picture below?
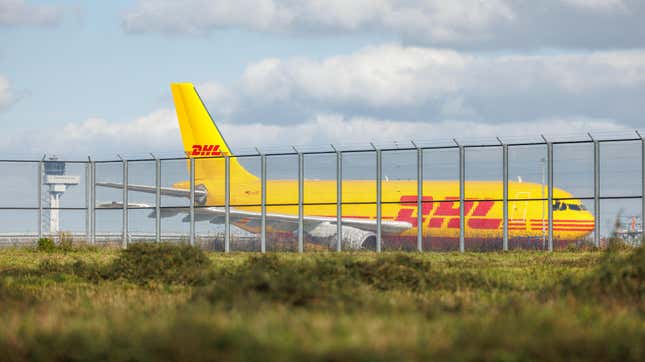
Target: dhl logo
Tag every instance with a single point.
(207, 150)
(444, 212)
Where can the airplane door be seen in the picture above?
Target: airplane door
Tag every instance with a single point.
(518, 211)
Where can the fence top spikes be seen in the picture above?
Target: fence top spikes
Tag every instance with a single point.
(590, 136)
(639, 135)
(544, 138)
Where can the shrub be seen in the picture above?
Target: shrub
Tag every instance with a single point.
(66, 241)
(619, 275)
(291, 282)
(142, 263)
(46, 244)
(331, 281)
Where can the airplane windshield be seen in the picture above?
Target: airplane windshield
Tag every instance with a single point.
(577, 207)
(561, 206)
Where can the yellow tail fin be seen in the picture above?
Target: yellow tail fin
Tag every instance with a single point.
(201, 138)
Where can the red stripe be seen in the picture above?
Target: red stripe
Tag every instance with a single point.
(567, 227)
(563, 222)
(536, 220)
(573, 229)
(567, 223)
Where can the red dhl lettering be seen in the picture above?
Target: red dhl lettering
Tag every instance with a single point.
(476, 220)
(207, 150)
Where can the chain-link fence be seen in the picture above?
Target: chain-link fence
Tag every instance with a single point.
(541, 194)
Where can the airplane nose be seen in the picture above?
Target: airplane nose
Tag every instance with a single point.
(589, 222)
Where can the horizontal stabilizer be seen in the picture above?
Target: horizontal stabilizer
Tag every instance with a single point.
(119, 205)
(167, 191)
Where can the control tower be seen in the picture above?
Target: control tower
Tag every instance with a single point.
(57, 181)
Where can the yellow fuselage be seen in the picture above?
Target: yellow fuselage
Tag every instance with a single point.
(528, 217)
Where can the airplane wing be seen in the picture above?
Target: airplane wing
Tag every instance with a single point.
(277, 221)
(290, 222)
(358, 230)
(169, 191)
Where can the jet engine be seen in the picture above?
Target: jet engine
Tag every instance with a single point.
(353, 238)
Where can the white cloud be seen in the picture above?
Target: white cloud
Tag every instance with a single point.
(158, 132)
(392, 74)
(19, 12)
(394, 81)
(464, 23)
(597, 5)
(198, 16)
(7, 95)
(325, 129)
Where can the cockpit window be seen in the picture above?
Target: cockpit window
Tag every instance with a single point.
(577, 207)
(561, 206)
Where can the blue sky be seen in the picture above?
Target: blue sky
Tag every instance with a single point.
(79, 77)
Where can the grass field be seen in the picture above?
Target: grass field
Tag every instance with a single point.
(155, 302)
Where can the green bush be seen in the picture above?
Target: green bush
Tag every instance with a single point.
(332, 280)
(142, 263)
(66, 242)
(271, 278)
(618, 276)
(46, 244)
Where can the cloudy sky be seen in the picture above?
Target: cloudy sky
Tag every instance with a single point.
(79, 77)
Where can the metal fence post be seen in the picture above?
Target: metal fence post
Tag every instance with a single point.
(227, 204)
(124, 240)
(462, 191)
(642, 191)
(40, 197)
(596, 190)
(379, 184)
(642, 239)
(419, 197)
(93, 200)
(157, 199)
(263, 202)
(339, 198)
(192, 201)
(549, 171)
(504, 194)
(301, 196)
(88, 195)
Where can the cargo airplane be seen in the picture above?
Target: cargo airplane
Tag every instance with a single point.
(399, 219)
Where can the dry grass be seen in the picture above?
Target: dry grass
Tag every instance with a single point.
(107, 305)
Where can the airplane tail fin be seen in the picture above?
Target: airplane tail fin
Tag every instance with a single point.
(202, 138)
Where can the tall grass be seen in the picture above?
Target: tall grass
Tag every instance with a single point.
(161, 302)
